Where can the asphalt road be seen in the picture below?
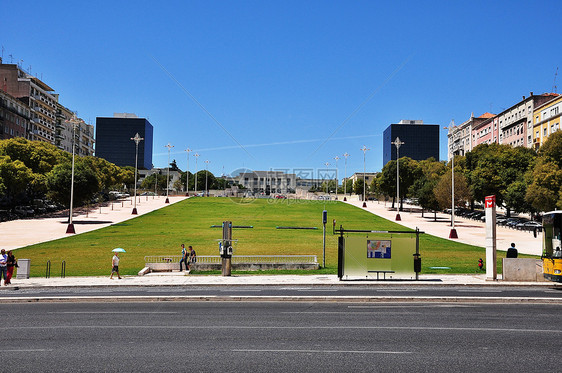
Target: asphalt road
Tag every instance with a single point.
(280, 337)
(542, 293)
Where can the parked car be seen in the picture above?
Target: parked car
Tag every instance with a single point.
(529, 226)
(512, 222)
(24, 211)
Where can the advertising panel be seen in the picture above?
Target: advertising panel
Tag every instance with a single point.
(390, 256)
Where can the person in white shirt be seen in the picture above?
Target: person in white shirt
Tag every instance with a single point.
(3, 266)
(115, 266)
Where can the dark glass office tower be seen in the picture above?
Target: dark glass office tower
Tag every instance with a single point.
(113, 141)
(421, 141)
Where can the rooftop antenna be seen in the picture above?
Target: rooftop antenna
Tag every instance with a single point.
(554, 87)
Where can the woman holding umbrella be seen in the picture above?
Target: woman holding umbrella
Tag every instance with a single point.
(115, 263)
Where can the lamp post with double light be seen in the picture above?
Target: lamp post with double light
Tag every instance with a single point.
(364, 149)
(168, 176)
(337, 159)
(137, 139)
(187, 173)
(207, 177)
(70, 228)
(196, 155)
(345, 177)
(398, 144)
(451, 128)
(327, 182)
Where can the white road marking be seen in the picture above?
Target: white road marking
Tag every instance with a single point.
(29, 350)
(112, 312)
(323, 290)
(480, 291)
(354, 313)
(329, 351)
(312, 327)
(416, 306)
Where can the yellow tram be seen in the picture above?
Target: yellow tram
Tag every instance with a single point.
(552, 245)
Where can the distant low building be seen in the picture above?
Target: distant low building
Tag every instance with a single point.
(368, 177)
(267, 182)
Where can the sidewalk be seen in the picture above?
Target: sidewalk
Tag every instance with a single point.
(470, 232)
(181, 279)
(24, 232)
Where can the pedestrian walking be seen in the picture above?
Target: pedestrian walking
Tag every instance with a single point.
(192, 257)
(184, 258)
(3, 266)
(11, 263)
(115, 266)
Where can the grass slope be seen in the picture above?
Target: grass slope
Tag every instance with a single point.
(161, 233)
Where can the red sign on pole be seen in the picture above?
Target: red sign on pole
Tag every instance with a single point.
(490, 202)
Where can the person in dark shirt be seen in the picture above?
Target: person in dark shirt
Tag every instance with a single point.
(192, 257)
(511, 252)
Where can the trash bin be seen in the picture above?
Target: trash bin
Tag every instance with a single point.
(23, 268)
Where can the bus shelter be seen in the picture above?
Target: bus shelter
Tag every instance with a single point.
(378, 255)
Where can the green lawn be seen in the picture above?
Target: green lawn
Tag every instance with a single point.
(161, 233)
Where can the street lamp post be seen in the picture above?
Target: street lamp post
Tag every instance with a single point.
(337, 159)
(137, 139)
(70, 227)
(196, 155)
(168, 176)
(207, 177)
(345, 178)
(398, 144)
(453, 233)
(327, 187)
(364, 149)
(155, 183)
(187, 173)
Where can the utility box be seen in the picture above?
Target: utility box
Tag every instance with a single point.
(23, 269)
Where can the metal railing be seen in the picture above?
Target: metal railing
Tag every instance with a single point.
(250, 259)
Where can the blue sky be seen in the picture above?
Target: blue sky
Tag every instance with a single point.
(285, 84)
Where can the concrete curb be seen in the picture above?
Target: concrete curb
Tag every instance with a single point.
(237, 298)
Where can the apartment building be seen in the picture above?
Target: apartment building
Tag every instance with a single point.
(37, 95)
(14, 117)
(84, 133)
(485, 132)
(460, 138)
(546, 120)
(516, 123)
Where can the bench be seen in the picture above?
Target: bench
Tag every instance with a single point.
(383, 273)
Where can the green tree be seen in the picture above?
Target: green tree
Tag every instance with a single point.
(40, 157)
(443, 189)
(545, 178)
(358, 187)
(148, 182)
(86, 184)
(423, 188)
(15, 177)
(491, 169)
